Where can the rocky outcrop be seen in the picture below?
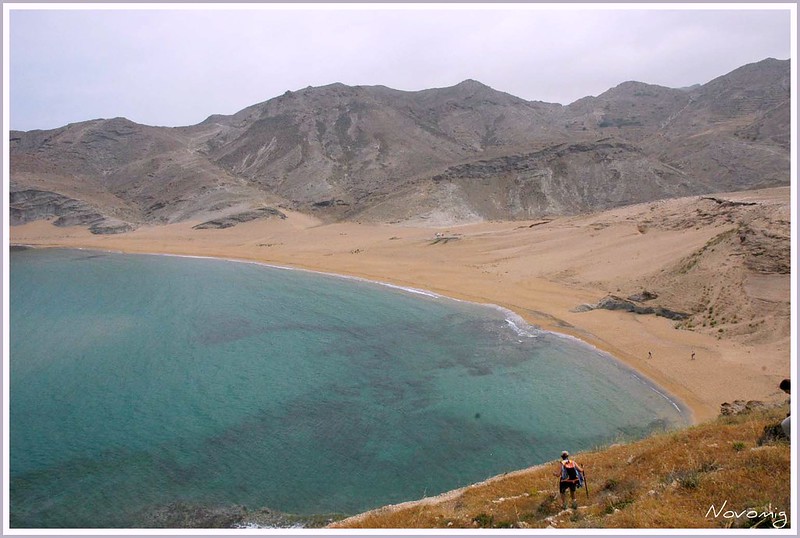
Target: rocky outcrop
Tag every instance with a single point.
(612, 302)
(739, 406)
(727, 203)
(565, 179)
(109, 226)
(30, 205)
(643, 296)
(238, 218)
(764, 248)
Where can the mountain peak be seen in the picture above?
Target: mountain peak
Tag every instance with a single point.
(471, 83)
(473, 86)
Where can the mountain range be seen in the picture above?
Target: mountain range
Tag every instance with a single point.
(434, 157)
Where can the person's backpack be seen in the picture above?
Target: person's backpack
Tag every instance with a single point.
(569, 472)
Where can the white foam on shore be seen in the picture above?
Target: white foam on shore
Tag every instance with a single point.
(520, 326)
(404, 288)
(654, 389)
(408, 289)
(255, 526)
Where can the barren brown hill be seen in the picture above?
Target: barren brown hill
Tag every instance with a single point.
(442, 156)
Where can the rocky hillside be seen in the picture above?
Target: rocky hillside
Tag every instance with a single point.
(442, 156)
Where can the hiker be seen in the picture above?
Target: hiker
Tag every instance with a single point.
(571, 478)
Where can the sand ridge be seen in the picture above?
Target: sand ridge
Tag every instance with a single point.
(543, 270)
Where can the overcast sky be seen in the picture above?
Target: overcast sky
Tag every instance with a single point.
(177, 67)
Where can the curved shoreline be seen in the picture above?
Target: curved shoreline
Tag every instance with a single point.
(542, 274)
(682, 407)
(676, 402)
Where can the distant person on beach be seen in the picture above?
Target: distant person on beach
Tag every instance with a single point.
(571, 478)
(692, 355)
(649, 354)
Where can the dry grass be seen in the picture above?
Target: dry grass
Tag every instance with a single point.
(670, 480)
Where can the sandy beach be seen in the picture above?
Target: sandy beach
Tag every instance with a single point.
(540, 269)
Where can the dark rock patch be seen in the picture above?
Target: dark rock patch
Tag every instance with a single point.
(643, 296)
(739, 406)
(329, 203)
(443, 240)
(31, 205)
(110, 227)
(612, 302)
(727, 203)
(233, 220)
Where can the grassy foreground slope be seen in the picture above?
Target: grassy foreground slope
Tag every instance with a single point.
(718, 474)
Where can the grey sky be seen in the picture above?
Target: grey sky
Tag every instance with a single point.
(177, 67)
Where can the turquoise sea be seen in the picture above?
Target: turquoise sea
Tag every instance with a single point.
(138, 381)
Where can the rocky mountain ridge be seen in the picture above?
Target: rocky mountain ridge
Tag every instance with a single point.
(440, 156)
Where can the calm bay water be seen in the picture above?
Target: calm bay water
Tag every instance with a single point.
(139, 381)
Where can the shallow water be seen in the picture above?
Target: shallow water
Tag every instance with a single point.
(138, 381)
